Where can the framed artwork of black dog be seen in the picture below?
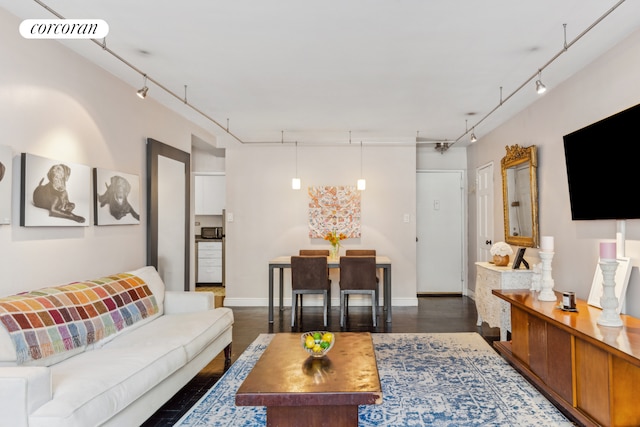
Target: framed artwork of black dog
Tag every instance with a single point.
(5, 184)
(116, 197)
(54, 193)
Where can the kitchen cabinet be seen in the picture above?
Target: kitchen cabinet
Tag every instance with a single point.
(209, 267)
(210, 194)
(490, 308)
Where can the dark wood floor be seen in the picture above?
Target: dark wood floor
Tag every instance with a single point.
(433, 314)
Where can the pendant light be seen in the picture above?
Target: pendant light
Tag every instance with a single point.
(362, 183)
(295, 182)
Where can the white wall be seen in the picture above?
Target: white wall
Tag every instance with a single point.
(270, 219)
(55, 104)
(607, 86)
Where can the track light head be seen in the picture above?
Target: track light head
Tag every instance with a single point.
(473, 137)
(540, 87)
(142, 93)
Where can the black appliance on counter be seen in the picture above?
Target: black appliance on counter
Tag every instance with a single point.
(212, 232)
(210, 262)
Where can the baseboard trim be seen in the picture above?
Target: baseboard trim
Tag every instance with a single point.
(315, 300)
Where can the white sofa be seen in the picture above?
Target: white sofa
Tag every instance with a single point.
(122, 378)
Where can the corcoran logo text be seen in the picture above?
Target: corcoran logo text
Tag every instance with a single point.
(64, 29)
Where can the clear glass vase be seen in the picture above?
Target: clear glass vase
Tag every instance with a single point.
(335, 252)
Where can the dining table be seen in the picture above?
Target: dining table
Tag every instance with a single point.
(281, 262)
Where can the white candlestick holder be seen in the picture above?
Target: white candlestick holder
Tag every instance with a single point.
(536, 277)
(546, 291)
(609, 301)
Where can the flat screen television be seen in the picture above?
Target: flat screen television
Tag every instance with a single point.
(603, 168)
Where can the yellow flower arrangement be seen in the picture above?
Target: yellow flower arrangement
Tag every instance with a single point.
(334, 238)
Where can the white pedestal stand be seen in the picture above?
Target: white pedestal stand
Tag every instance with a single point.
(609, 301)
(546, 292)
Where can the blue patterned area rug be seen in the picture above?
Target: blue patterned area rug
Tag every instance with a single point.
(427, 380)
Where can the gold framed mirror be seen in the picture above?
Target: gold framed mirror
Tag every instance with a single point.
(520, 195)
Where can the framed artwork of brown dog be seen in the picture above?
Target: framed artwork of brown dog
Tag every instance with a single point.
(54, 193)
(116, 197)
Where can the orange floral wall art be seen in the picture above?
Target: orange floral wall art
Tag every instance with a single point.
(334, 209)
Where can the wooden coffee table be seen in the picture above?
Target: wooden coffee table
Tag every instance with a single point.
(300, 390)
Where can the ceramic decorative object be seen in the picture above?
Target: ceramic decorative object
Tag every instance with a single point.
(500, 252)
(547, 284)
(501, 261)
(609, 301)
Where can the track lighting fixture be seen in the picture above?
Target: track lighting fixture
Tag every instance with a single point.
(442, 147)
(540, 87)
(473, 138)
(142, 93)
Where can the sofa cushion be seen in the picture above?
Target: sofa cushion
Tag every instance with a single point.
(193, 331)
(91, 387)
(58, 322)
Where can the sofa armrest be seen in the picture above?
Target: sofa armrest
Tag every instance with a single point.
(187, 302)
(23, 389)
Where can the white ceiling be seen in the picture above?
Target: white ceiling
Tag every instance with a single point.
(325, 71)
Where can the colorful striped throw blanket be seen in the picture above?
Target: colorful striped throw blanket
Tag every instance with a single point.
(53, 320)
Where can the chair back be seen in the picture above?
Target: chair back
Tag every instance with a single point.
(309, 272)
(314, 252)
(358, 272)
(360, 252)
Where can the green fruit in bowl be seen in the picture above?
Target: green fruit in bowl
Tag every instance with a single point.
(317, 336)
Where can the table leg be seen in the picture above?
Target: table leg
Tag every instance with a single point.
(281, 287)
(270, 294)
(387, 292)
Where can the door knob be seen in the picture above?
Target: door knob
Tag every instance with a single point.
(487, 242)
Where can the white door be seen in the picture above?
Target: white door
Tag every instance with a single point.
(440, 231)
(484, 210)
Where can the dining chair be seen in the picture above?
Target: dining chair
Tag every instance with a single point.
(364, 252)
(309, 276)
(358, 276)
(314, 252)
(360, 252)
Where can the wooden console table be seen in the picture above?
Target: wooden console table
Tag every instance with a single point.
(590, 371)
